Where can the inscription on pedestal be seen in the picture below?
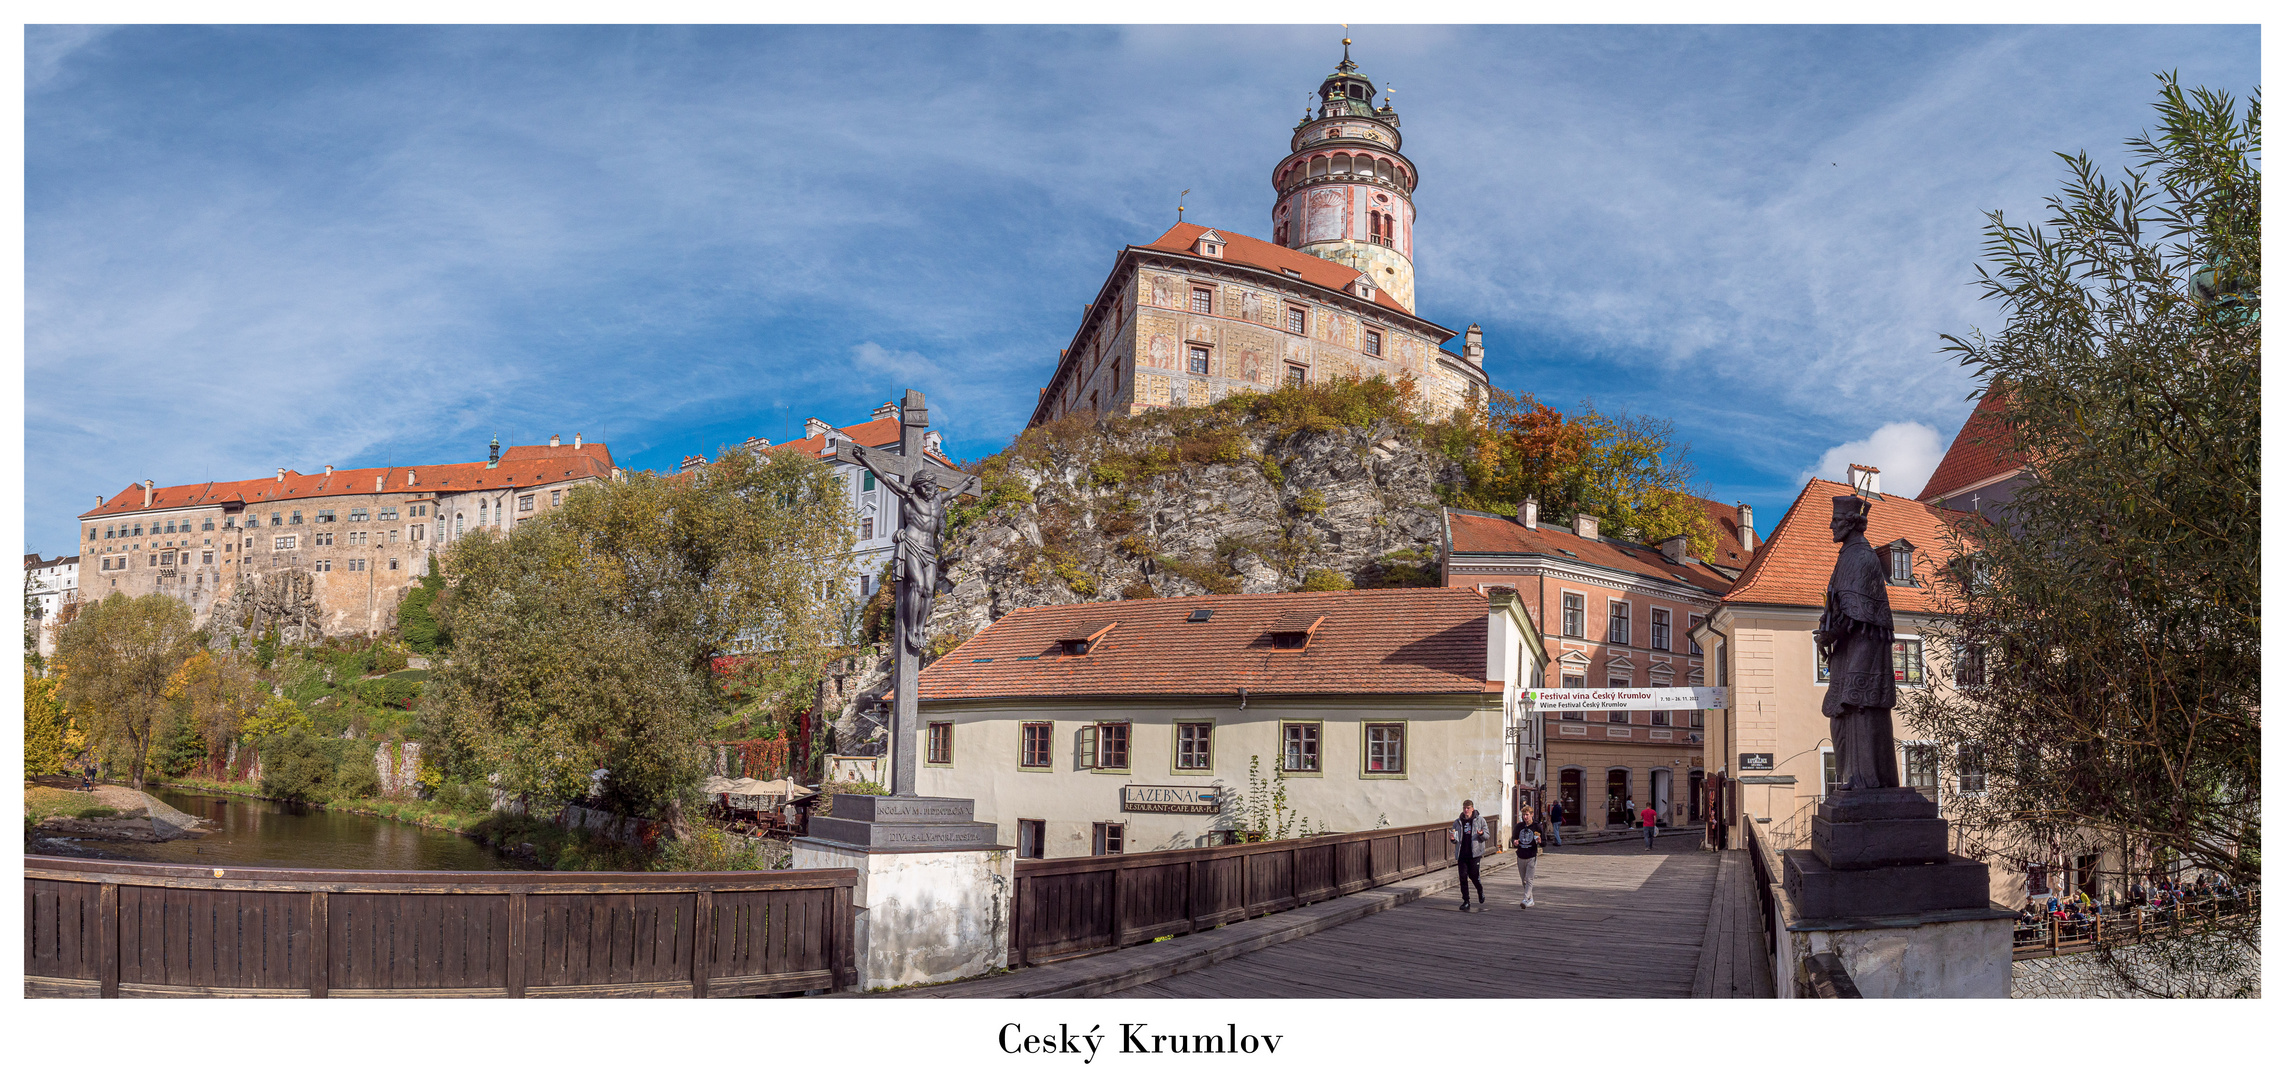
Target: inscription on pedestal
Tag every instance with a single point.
(903, 808)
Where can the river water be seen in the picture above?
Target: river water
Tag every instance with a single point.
(257, 832)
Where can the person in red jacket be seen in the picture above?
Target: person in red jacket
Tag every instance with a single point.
(1649, 826)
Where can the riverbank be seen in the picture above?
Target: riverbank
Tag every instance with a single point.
(57, 807)
(424, 813)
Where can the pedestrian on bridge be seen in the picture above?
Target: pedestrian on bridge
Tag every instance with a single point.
(1526, 852)
(1649, 826)
(1469, 836)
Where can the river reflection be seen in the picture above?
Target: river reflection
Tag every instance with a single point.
(256, 832)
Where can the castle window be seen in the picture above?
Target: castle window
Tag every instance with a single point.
(557, 497)
(1202, 301)
(324, 566)
(1297, 320)
(1201, 360)
(1295, 376)
(358, 514)
(1372, 343)
(295, 519)
(207, 525)
(865, 529)
(524, 502)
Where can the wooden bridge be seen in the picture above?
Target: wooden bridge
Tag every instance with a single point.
(94, 928)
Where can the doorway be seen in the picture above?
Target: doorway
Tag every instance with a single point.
(1697, 796)
(1662, 794)
(1616, 792)
(1568, 792)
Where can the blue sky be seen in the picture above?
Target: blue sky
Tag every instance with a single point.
(250, 248)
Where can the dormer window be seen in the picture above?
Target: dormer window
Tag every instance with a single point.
(1899, 558)
(1293, 630)
(1081, 638)
(1363, 286)
(1209, 244)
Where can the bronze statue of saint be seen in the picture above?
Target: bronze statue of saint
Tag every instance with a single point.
(1854, 639)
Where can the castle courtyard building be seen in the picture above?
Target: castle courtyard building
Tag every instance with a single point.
(329, 553)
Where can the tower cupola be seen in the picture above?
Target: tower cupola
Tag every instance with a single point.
(1344, 192)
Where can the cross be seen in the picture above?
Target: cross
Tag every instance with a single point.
(922, 488)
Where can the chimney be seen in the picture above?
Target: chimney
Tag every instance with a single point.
(691, 461)
(495, 459)
(812, 428)
(576, 440)
(281, 476)
(408, 478)
(757, 444)
(329, 471)
(932, 442)
(1674, 547)
(1745, 527)
(148, 486)
(1473, 350)
(1528, 515)
(886, 408)
(1587, 526)
(555, 440)
(376, 485)
(1864, 478)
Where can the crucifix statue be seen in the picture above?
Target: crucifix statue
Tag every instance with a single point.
(922, 488)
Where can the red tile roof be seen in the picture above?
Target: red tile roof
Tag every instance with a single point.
(1375, 641)
(876, 433)
(1489, 534)
(1978, 453)
(520, 466)
(1797, 562)
(1729, 554)
(1263, 255)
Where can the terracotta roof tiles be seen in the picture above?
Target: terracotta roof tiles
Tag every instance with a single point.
(1476, 533)
(1794, 567)
(1380, 641)
(1263, 255)
(1978, 453)
(520, 466)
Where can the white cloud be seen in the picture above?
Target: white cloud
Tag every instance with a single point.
(1905, 453)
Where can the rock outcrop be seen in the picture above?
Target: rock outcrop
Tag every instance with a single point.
(1194, 502)
(284, 601)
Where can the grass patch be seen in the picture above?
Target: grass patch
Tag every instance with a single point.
(41, 803)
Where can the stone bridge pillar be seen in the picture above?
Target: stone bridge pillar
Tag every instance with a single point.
(934, 887)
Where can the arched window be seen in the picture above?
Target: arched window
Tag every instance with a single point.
(1317, 166)
(459, 525)
(1340, 163)
(1365, 166)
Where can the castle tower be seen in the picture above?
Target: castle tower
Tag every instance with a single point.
(1345, 192)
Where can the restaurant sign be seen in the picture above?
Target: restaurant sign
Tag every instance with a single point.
(1622, 698)
(1153, 798)
(1757, 762)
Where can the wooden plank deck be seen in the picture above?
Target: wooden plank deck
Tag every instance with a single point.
(1612, 920)
(1733, 957)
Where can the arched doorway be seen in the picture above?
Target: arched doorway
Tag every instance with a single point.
(1617, 789)
(1568, 792)
(1697, 796)
(1662, 794)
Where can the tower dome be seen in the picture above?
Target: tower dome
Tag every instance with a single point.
(1344, 193)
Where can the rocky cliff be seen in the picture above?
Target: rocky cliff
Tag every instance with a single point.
(1191, 502)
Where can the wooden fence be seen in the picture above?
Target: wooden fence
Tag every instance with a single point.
(1064, 907)
(107, 929)
(2062, 934)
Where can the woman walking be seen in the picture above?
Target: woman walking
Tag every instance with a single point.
(1526, 852)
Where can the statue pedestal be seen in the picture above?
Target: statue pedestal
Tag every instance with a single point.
(1880, 891)
(933, 888)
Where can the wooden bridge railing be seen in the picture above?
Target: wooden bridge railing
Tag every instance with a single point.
(95, 928)
(1064, 907)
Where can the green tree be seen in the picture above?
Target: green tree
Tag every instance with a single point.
(119, 656)
(416, 614)
(47, 728)
(588, 638)
(32, 655)
(2114, 602)
(211, 697)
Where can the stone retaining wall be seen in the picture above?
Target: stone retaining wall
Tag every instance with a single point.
(2084, 975)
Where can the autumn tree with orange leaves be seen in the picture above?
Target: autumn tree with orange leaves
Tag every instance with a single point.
(1625, 470)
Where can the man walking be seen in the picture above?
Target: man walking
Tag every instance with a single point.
(1469, 835)
(1649, 826)
(1555, 822)
(1526, 852)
